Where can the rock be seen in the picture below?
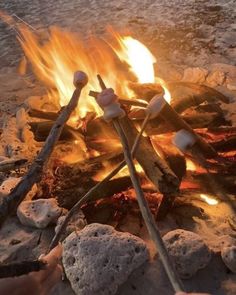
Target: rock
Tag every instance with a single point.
(7, 186)
(76, 223)
(226, 241)
(231, 87)
(195, 75)
(216, 78)
(17, 145)
(43, 103)
(229, 70)
(39, 213)
(98, 259)
(188, 251)
(228, 255)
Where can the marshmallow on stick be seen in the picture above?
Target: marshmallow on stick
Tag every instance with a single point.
(159, 106)
(107, 100)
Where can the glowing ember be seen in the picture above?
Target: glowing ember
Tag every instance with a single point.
(209, 200)
(107, 168)
(190, 165)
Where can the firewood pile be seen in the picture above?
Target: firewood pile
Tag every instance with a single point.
(165, 174)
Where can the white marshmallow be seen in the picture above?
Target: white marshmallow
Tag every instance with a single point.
(106, 97)
(184, 140)
(80, 78)
(155, 106)
(107, 100)
(113, 111)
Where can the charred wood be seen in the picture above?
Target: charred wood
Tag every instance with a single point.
(69, 197)
(156, 169)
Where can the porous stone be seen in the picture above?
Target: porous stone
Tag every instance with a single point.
(188, 252)
(231, 86)
(76, 223)
(7, 186)
(10, 183)
(195, 75)
(216, 78)
(98, 259)
(228, 255)
(39, 213)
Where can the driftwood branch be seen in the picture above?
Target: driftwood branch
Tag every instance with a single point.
(11, 202)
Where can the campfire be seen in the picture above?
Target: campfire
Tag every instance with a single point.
(112, 138)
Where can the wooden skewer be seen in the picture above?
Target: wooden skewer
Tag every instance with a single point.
(91, 192)
(185, 142)
(11, 202)
(145, 210)
(143, 204)
(173, 118)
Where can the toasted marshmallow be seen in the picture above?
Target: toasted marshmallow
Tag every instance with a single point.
(155, 106)
(80, 78)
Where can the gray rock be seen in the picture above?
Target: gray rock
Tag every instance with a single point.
(188, 251)
(215, 78)
(98, 259)
(195, 75)
(228, 255)
(39, 213)
(10, 183)
(76, 223)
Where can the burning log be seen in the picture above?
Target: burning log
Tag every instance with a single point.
(184, 94)
(11, 202)
(67, 198)
(194, 95)
(42, 129)
(224, 145)
(154, 167)
(196, 121)
(51, 116)
(146, 90)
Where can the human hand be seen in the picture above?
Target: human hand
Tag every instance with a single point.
(36, 283)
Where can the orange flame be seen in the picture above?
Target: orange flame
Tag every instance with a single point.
(138, 57)
(57, 56)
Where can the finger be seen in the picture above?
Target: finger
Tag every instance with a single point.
(54, 254)
(18, 285)
(52, 259)
(52, 280)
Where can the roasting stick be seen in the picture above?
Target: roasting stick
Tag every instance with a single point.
(185, 142)
(11, 202)
(90, 193)
(112, 112)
